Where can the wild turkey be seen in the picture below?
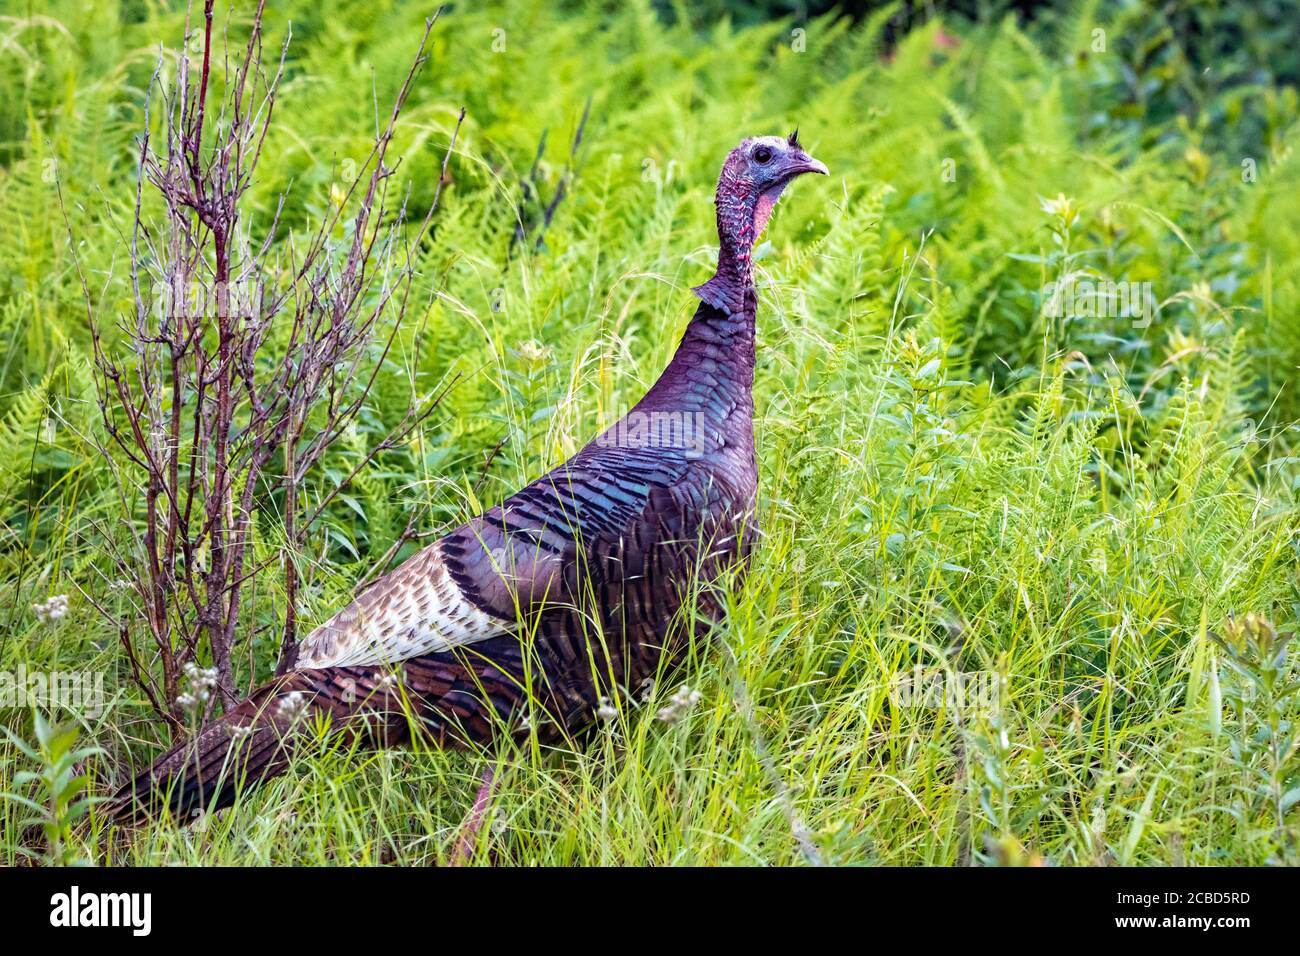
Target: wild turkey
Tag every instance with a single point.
(568, 592)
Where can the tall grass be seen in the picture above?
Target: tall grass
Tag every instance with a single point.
(1061, 513)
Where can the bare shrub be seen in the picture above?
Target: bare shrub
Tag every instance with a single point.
(245, 357)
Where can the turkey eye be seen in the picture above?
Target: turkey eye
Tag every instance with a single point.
(762, 155)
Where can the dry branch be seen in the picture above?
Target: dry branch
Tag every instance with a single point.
(220, 395)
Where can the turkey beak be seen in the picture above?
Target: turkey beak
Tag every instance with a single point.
(803, 163)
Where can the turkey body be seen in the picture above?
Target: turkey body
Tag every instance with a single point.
(593, 579)
(571, 590)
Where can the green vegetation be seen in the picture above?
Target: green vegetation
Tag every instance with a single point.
(1068, 517)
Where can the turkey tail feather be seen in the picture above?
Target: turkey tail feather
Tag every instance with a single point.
(239, 750)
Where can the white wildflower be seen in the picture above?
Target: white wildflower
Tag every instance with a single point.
(200, 678)
(683, 700)
(686, 697)
(534, 354)
(52, 609)
(1063, 207)
(202, 682)
(292, 706)
(606, 710)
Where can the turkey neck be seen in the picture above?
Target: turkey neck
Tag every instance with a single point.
(712, 372)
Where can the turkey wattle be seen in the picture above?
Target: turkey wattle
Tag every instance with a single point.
(524, 618)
